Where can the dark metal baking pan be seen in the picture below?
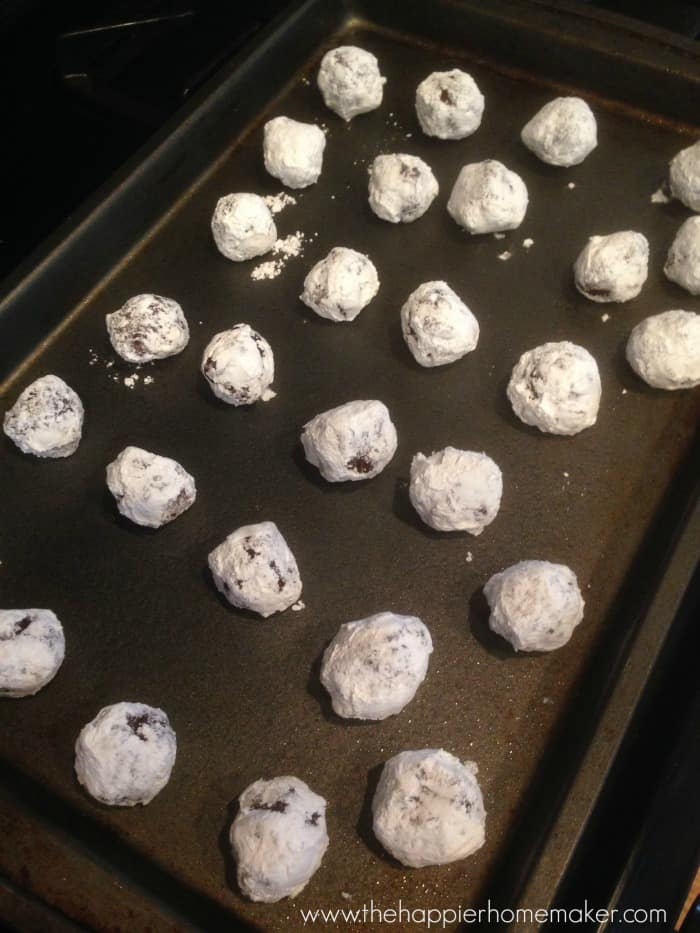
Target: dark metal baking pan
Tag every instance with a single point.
(617, 503)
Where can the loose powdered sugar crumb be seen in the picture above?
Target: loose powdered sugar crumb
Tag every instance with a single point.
(571, 185)
(298, 605)
(284, 249)
(278, 202)
(604, 318)
(499, 236)
(505, 256)
(147, 380)
(659, 197)
(528, 242)
(130, 381)
(470, 557)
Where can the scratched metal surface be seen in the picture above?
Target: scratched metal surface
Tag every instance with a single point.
(141, 616)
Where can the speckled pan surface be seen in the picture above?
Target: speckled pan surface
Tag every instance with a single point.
(142, 618)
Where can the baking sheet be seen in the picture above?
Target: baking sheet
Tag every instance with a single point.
(143, 620)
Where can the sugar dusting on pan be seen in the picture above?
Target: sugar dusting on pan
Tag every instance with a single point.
(285, 248)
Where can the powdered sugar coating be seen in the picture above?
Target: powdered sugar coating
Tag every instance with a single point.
(488, 198)
(556, 387)
(239, 365)
(150, 490)
(612, 267)
(684, 176)
(456, 490)
(243, 227)
(293, 151)
(350, 82)
(664, 350)
(535, 605)
(449, 104)
(255, 569)
(683, 260)
(562, 133)
(341, 285)
(437, 326)
(401, 187)
(47, 419)
(278, 838)
(352, 442)
(374, 666)
(428, 808)
(125, 755)
(148, 327)
(32, 648)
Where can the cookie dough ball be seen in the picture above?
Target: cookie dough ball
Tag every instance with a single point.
(243, 227)
(401, 188)
(437, 326)
(428, 808)
(255, 570)
(350, 82)
(556, 388)
(562, 133)
(148, 327)
(488, 198)
(351, 442)
(149, 489)
(239, 365)
(449, 104)
(456, 490)
(47, 419)
(665, 350)
(535, 605)
(278, 838)
(684, 176)
(341, 285)
(125, 755)
(613, 267)
(374, 666)
(293, 151)
(32, 648)
(683, 260)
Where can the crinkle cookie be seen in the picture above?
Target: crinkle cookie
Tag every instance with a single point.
(456, 490)
(437, 326)
(32, 648)
(428, 808)
(683, 260)
(684, 176)
(239, 365)
(351, 442)
(562, 133)
(341, 285)
(278, 838)
(556, 387)
(242, 226)
(148, 327)
(488, 198)
(149, 489)
(401, 187)
(664, 350)
(47, 419)
(374, 666)
(255, 569)
(535, 605)
(449, 104)
(350, 82)
(293, 151)
(125, 755)
(612, 267)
